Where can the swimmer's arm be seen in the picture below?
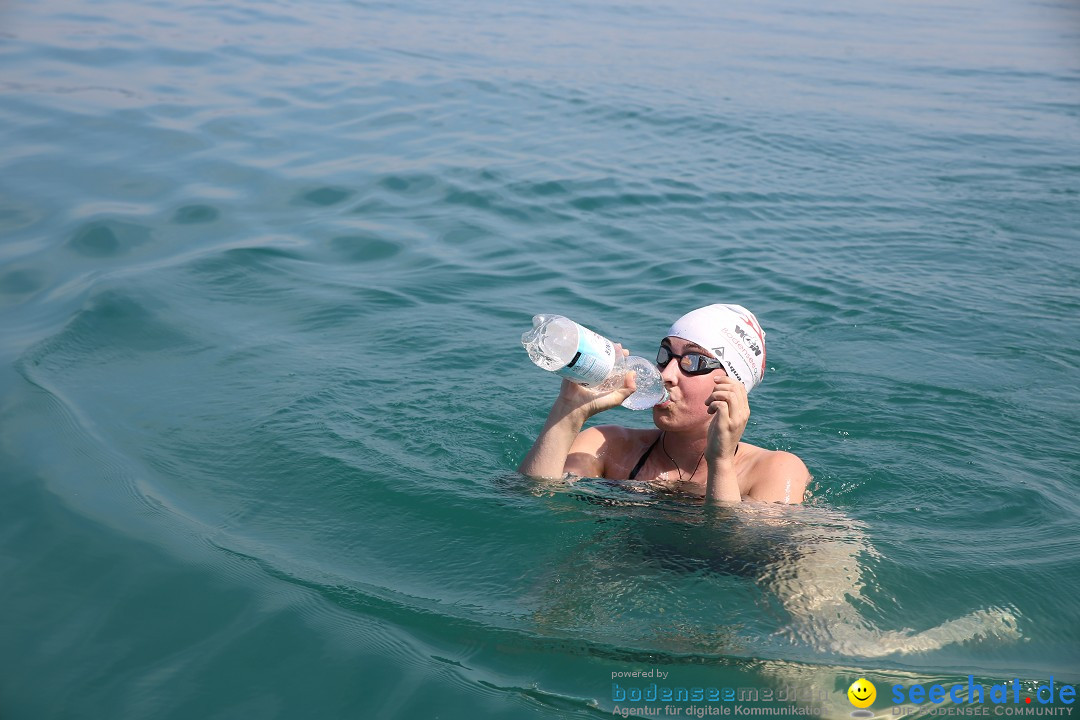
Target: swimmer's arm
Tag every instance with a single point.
(722, 484)
(730, 411)
(783, 479)
(586, 454)
(550, 453)
(561, 446)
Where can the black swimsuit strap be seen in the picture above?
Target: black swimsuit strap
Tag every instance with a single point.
(641, 462)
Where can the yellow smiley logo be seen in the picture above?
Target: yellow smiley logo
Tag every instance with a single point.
(862, 693)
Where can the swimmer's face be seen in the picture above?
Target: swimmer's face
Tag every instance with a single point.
(687, 407)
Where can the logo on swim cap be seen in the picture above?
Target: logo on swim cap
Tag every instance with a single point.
(734, 336)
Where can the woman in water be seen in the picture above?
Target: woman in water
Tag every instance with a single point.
(709, 360)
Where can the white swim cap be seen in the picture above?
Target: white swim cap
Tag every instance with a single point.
(733, 335)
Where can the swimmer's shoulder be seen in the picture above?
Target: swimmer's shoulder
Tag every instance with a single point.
(776, 475)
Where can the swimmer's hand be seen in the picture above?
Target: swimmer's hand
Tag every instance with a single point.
(577, 400)
(731, 411)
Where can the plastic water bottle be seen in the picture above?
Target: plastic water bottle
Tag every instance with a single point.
(560, 345)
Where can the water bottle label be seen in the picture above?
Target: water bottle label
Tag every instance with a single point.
(593, 362)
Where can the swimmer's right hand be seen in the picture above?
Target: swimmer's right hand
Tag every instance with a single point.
(577, 399)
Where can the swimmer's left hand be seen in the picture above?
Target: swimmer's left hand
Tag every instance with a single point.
(731, 411)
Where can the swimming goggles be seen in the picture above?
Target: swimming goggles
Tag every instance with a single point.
(690, 363)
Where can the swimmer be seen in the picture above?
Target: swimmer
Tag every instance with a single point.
(710, 360)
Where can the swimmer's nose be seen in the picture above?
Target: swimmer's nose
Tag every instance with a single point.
(670, 374)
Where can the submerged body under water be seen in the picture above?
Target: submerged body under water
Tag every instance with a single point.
(812, 563)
